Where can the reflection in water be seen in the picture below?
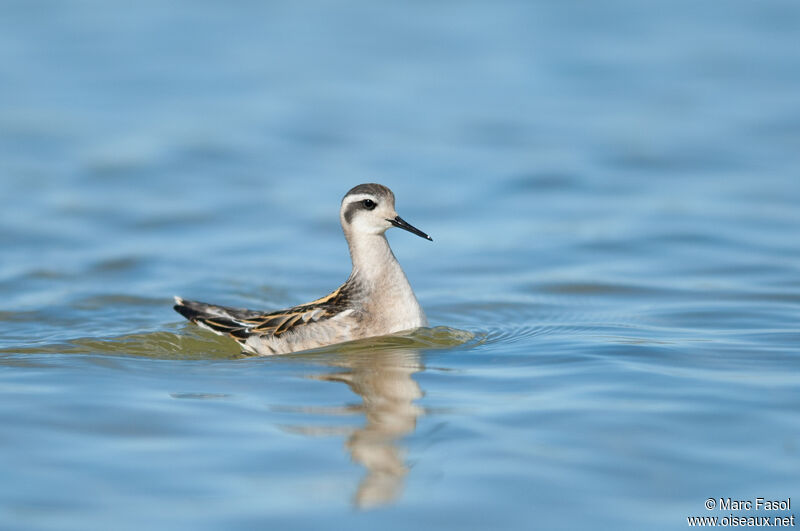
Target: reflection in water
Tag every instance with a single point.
(383, 381)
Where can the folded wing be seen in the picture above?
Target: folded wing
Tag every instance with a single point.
(241, 324)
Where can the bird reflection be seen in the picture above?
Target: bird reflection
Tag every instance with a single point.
(383, 381)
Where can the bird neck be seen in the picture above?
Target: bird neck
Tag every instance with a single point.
(373, 260)
(382, 284)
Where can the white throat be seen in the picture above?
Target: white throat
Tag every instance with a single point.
(373, 260)
(387, 289)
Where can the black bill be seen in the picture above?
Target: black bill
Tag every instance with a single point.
(401, 223)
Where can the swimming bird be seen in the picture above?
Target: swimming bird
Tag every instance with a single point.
(376, 299)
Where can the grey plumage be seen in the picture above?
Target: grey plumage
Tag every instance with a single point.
(375, 300)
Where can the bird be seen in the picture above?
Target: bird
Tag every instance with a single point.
(375, 300)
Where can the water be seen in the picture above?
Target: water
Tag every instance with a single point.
(614, 281)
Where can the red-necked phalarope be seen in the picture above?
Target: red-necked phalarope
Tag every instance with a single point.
(375, 300)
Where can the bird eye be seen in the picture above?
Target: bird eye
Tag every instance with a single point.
(369, 204)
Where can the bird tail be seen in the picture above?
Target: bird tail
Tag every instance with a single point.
(218, 319)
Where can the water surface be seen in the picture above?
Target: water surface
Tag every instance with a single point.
(614, 282)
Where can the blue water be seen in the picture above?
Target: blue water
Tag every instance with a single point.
(614, 282)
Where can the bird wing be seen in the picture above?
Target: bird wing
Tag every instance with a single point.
(240, 324)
